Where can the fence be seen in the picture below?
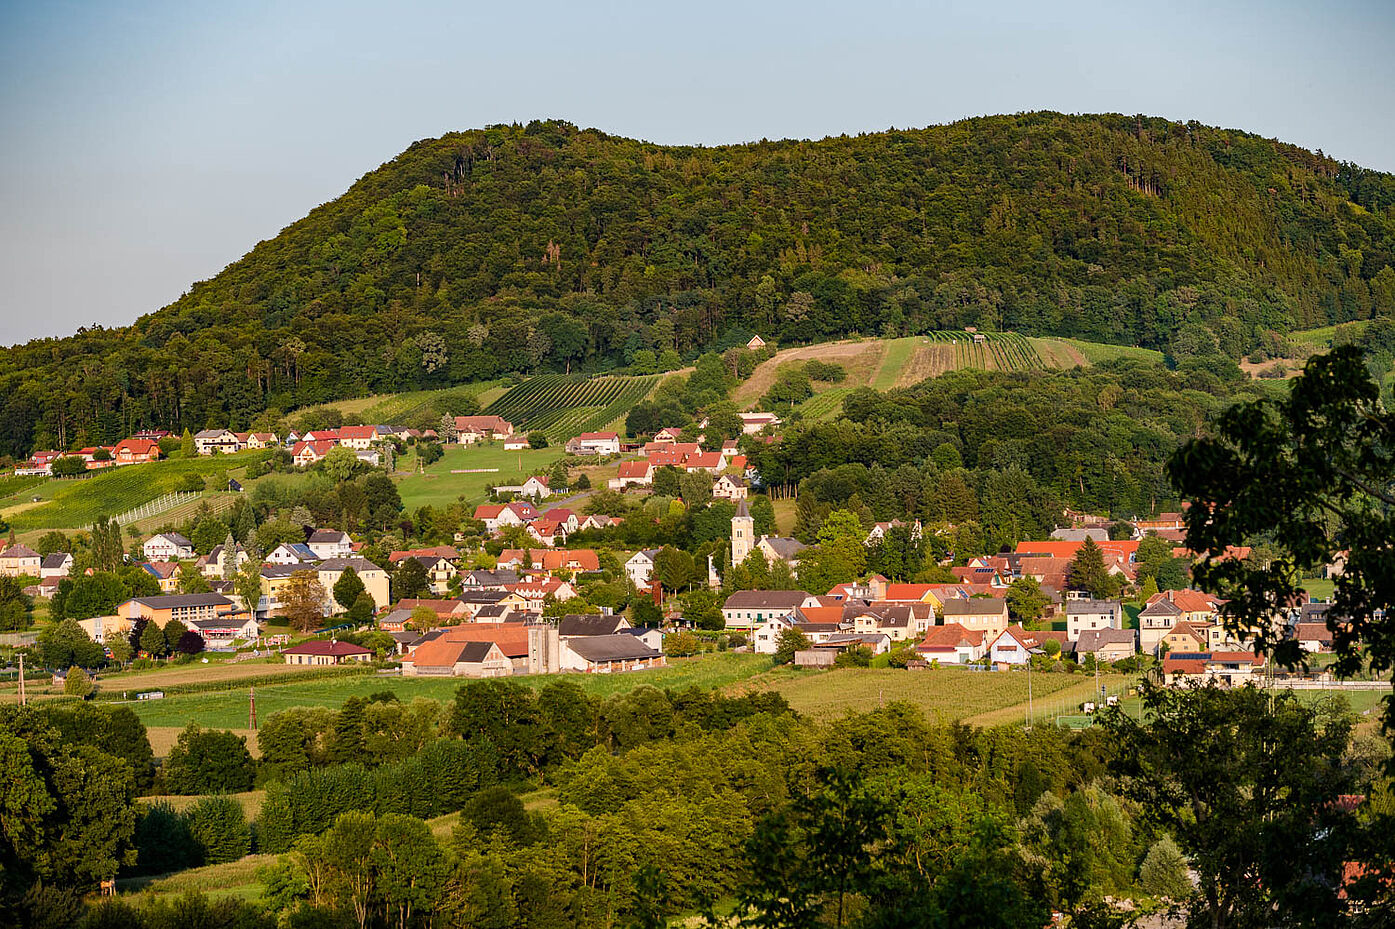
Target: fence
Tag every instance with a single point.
(157, 506)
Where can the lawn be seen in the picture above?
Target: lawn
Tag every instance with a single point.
(946, 694)
(228, 709)
(438, 487)
(1319, 588)
(898, 354)
(77, 503)
(230, 879)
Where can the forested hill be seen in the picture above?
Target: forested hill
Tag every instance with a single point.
(542, 247)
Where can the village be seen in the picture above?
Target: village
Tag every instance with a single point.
(471, 613)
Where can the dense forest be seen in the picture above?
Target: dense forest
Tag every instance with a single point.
(518, 249)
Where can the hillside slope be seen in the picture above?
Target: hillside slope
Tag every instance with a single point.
(546, 248)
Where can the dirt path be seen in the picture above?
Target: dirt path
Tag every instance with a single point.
(859, 358)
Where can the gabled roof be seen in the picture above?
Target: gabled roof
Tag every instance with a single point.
(358, 432)
(950, 636)
(174, 537)
(444, 653)
(175, 601)
(576, 624)
(1093, 606)
(1092, 640)
(333, 647)
(55, 559)
(602, 648)
(440, 551)
(785, 548)
(765, 600)
(18, 550)
(328, 535)
(635, 469)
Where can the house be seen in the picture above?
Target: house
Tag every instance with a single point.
(261, 440)
(633, 474)
(448, 552)
(893, 621)
(1015, 645)
(1154, 621)
(1186, 638)
(56, 564)
(536, 594)
(510, 638)
(471, 429)
(135, 451)
(565, 518)
(374, 578)
(1098, 534)
(304, 454)
(561, 559)
(1313, 637)
(447, 611)
(1222, 667)
(879, 530)
(730, 488)
(951, 644)
(20, 560)
(291, 553)
(640, 566)
(359, 438)
(1107, 644)
(535, 487)
(756, 343)
(574, 624)
(168, 546)
(775, 548)
(600, 521)
(607, 654)
(650, 636)
(321, 652)
(214, 566)
(668, 435)
(1092, 615)
(330, 543)
(876, 643)
(594, 443)
(215, 441)
(452, 658)
(752, 423)
(166, 574)
(184, 607)
(516, 443)
(748, 609)
(907, 593)
(439, 572)
(482, 579)
(986, 614)
(226, 629)
(322, 435)
(101, 629)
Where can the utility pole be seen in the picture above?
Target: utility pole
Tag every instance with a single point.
(22, 700)
(252, 706)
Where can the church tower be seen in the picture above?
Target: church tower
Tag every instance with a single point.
(743, 533)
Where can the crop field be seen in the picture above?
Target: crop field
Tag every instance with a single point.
(438, 486)
(945, 694)
(826, 404)
(398, 409)
(76, 503)
(228, 709)
(1097, 352)
(562, 405)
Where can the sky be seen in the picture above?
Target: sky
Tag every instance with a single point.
(146, 145)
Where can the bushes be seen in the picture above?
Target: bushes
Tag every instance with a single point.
(164, 842)
(219, 828)
(206, 761)
(439, 779)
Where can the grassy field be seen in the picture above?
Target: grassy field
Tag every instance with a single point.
(1319, 588)
(228, 709)
(437, 486)
(74, 504)
(230, 879)
(945, 694)
(898, 354)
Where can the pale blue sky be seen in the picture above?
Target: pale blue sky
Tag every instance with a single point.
(145, 145)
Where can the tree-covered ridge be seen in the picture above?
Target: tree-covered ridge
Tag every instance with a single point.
(542, 247)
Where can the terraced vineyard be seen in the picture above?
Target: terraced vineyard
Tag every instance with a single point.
(562, 405)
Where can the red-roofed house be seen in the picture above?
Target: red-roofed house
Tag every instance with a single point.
(713, 462)
(562, 559)
(951, 644)
(594, 443)
(633, 474)
(537, 592)
(320, 652)
(135, 451)
(472, 429)
(358, 437)
(307, 453)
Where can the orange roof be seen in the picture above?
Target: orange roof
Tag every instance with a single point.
(1060, 549)
(511, 639)
(358, 432)
(705, 460)
(822, 614)
(439, 551)
(737, 462)
(442, 607)
(1188, 600)
(635, 469)
(949, 636)
(906, 592)
(555, 559)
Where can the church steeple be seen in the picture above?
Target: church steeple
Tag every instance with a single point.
(743, 533)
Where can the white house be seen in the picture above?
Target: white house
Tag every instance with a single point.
(632, 474)
(730, 488)
(168, 546)
(640, 566)
(331, 543)
(747, 609)
(951, 644)
(1092, 615)
(291, 553)
(535, 487)
(57, 564)
(209, 441)
(594, 443)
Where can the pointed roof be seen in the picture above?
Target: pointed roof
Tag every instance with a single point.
(742, 510)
